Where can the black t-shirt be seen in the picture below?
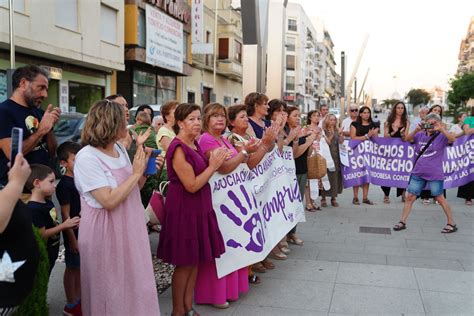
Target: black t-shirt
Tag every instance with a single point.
(258, 130)
(12, 115)
(19, 242)
(361, 130)
(301, 162)
(44, 215)
(67, 193)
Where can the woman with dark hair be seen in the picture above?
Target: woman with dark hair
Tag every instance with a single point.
(257, 110)
(190, 234)
(397, 125)
(363, 129)
(301, 148)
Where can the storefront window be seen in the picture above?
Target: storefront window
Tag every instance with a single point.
(3, 86)
(166, 89)
(144, 87)
(83, 95)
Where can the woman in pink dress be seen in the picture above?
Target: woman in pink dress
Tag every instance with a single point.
(116, 268)
(210, 289)
(190, 234)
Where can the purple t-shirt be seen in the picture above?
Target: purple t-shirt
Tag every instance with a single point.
(208, 142)
(430, 165)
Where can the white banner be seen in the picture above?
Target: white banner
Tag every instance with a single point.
(256, 208)
(164, 40)
(198, 21)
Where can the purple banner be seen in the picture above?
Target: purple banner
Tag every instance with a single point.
(389, 161)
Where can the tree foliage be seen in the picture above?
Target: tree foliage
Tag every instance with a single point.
(389, 102)
(462, 89)
(418, 96)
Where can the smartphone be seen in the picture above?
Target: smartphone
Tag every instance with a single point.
(16, 144)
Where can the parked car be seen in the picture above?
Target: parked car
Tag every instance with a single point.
(69, 127)
(335, 112)
(156, 111)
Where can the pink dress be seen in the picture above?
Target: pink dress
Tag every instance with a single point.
(209, 289)
(117, 275)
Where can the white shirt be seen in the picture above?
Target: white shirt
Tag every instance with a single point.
(91, 174)
(346, 125)
(455, 129)
(414, 124)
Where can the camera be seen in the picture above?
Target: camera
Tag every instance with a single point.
(427, 126)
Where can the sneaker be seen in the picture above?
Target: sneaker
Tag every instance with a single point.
(74, 311)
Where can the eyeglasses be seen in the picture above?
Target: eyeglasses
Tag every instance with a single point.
(354, 110)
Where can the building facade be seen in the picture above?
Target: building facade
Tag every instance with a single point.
(157, 51)
(202, 87)
(466, 51)
(79, 42)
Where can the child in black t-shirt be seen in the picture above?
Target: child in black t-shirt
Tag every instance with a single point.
(70, 202)
(41, 183)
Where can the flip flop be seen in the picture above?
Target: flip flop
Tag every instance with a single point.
(449, 230)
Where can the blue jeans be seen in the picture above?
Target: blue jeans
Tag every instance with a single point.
(417, 184)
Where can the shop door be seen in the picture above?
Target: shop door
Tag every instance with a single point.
(206, 96)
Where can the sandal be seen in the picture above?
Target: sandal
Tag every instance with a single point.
(285, 250)
(295, 241)
(367, 201)
(400, 226)
(468, 202)
(221, 306)
(192, 312)
(254, 279)
(355, 201)
(386, 200)
(259, 267)
(278, 255)
(268, 264)
(324, 203)
(334, 203)
(448, 229)
(310, 208)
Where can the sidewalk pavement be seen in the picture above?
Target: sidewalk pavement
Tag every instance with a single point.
(341, 271)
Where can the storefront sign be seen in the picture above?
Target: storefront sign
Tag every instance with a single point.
(389, 162)
(255, 209)
(164, 40)
(64, 96)
(198, 21)
(54, 73)
(176, 8)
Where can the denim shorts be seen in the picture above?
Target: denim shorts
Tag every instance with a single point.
(72, 259)
(417, 184)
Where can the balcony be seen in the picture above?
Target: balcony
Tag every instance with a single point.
(203, 61)
(229, 68)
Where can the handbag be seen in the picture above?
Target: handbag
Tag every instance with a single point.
(155, 210)
(317, 166)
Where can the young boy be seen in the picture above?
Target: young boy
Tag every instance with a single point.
(70, 202)
(143, 122)
(41, 184)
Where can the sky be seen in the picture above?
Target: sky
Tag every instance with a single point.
(412, 43)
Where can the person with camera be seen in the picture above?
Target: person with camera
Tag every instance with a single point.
(430, 138)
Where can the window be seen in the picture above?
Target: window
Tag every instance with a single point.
(166, 89)
(108, 24)
(3, 86)
(141, 28)
(238, 51)
(292, 25)
(290, 62)
(191, 97)
(82, 95)
(209, 57)
(144, 87)
(290, 44)
(290, 83)
(223, 48)
(18, 5)
(227, 100)
(66, 14)
(185, 46)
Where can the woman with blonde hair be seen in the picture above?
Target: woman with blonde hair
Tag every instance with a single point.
(333, 136)
(116, 268)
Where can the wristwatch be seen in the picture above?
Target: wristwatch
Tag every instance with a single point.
(245, 153)
(367, 136)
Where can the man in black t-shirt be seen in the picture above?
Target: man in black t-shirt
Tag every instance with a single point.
(30, 88)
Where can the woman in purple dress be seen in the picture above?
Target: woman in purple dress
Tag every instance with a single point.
(190, 234)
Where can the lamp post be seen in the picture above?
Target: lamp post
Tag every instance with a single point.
(12, 51)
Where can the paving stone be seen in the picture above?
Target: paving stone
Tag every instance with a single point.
(331, 255)
(430, 263)
(246, 310)
(376, 275)
(373, 300)
(460, 282)
(438, 303)
(309, 270)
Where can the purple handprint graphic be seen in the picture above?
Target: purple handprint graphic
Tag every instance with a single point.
(253, 226)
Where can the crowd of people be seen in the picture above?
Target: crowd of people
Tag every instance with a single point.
(107, 253)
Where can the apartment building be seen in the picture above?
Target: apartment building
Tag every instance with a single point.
(81, 43)
(466, 51)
